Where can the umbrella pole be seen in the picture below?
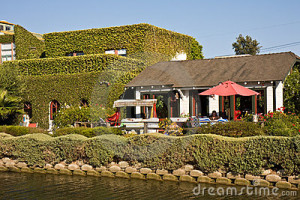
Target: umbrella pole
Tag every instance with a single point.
(255, 104)
(234, 107)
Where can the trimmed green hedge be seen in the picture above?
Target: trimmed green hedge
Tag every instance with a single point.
(134, 38)
(70, 65)
(6, 39)
(20, 130)
(206, 152)
(87, 132)
(232, 129)
(27, 45)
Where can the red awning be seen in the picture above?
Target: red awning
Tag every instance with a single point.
(229, 88)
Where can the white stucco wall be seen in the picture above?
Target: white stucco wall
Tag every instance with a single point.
(213, 104)
(184, 102)
(270, 97)
(138, 108)
(179, 56)
(279, 94)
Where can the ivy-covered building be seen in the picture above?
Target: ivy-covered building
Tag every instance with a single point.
(64, 69)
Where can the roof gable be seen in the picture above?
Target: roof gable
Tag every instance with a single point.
(209, 72)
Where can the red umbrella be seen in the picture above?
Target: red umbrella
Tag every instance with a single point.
(229, 88)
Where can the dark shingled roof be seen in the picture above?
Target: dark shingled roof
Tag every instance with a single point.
(209, 72)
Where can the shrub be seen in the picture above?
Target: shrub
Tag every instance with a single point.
(207, 152)
(68, 116)
(280, 123)
(232, 129)
(87, 132)
(20, 130)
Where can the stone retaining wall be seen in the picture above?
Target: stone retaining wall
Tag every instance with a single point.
(187, 173)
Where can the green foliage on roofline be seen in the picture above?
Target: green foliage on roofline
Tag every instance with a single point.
(27, 45)
(207, 153)
(134, 38)
(6, 39)
(70, 65)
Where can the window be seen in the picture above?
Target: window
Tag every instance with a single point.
(7, 28)
(120, 52)
(54, 108)
(1, 28)
(75, 53)
(28, 109)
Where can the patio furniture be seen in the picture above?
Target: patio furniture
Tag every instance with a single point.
(229, 88)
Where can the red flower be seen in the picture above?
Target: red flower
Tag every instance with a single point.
(299, 130)
(293, 124)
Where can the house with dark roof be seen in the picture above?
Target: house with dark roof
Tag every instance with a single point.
(178, 84)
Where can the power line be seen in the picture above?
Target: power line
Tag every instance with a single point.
(253, 29)
(280, 46)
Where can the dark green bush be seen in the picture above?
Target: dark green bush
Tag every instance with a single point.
(206, 152)
(20, 130)
(232, 129)
(87, 132)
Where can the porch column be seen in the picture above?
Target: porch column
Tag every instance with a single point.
(213, 104)
(184, 102)
(279, 94)
(269, 96)
(137, 108)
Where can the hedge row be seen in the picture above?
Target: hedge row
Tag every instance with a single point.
(6, 39)
(134, 38)
(206, 152)
(20, 130)
(27, 45)
(69, 65)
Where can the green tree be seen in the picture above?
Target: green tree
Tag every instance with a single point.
(68, 116)
(11, 89)
(245, 45)
(9, 107)
(292, 91)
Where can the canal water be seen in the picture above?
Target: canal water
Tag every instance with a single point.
(47, 186)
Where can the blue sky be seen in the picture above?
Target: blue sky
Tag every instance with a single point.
(215, 24)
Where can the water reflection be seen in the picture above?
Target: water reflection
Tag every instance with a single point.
(44, 186)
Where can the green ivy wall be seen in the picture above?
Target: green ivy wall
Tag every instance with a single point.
(134, 38)
(6, 39)
(27, 45)
(76, 64)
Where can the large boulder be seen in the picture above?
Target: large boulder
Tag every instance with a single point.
(115, 168)
(21, 165)
(86, 167)
(73, 166)
(196, 173)
(145, 170)
(130, 170)
(123, 164)
(59, 166)
(273, 178)
(179, 172)
(161, 171)
(188, 168)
